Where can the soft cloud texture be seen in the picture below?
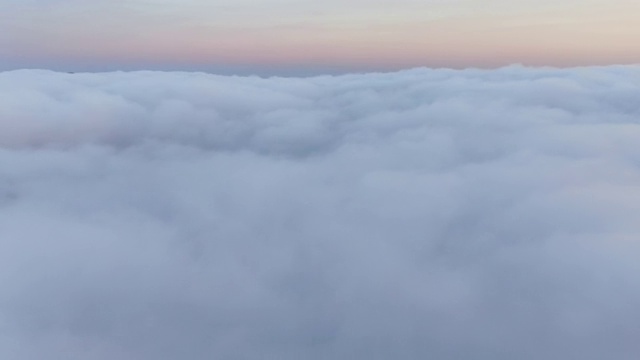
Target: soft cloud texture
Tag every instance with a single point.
(424, 214)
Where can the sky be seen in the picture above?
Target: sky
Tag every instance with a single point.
(301, 37)
(421, 214)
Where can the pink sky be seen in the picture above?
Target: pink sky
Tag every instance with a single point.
(274, 33)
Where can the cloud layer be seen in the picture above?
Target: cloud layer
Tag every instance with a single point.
(413, 215)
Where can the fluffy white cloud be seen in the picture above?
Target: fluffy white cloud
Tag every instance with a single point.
(424, 214)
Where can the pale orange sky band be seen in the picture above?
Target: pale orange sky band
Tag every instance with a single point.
(587, 37)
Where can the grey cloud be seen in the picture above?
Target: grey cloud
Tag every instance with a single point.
(419, 214)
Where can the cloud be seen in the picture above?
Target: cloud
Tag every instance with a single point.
(419, 214)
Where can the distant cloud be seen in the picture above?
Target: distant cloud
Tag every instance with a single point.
(423, 214)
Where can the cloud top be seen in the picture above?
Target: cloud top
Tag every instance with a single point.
(419, 214)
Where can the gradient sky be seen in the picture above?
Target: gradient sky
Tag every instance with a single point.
(311, 36)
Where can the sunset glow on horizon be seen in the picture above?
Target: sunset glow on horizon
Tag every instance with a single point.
(350, 35)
